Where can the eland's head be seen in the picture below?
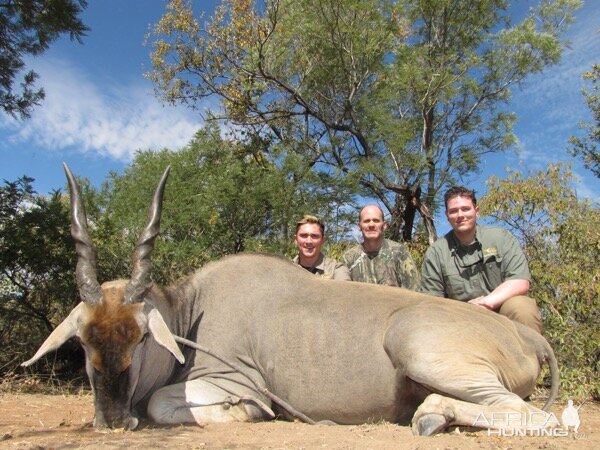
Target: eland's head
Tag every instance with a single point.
(113, 320)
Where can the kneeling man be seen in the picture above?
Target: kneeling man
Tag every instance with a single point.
(482, 265)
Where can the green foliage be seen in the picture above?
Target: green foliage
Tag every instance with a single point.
(401, 97)
(561, 236)
(586, 147)
(37, 286)
(222, 197)
(28, 28)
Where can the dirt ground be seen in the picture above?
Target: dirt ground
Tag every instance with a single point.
(36, 421)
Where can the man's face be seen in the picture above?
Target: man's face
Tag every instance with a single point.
(309, 240)
(462, 214)
(371, 223)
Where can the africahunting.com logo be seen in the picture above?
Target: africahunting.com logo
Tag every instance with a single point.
(536, 423)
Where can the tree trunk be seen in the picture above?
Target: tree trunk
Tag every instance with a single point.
(396, 222)
(404, 215)
(408, 216)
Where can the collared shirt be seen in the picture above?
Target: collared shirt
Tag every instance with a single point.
(327, 268)
(391, 265)
(465, 272)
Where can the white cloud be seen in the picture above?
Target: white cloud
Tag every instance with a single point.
(111, 120)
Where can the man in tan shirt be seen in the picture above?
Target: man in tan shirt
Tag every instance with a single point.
(309, 238)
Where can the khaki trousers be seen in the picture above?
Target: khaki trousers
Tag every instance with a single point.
(524, 310)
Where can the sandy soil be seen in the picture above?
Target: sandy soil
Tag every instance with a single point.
(36, 421)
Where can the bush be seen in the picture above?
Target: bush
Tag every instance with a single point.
(561, 238)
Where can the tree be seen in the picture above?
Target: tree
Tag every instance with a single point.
(401, 97)
(37, 288)
(587, 147)
(561, 238)
(222, 198)
(28, 28)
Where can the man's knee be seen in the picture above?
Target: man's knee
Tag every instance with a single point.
(524, 310)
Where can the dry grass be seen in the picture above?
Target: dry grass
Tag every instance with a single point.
(26, 383)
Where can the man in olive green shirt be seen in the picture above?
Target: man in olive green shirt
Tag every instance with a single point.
(379, 260)
(482, 265)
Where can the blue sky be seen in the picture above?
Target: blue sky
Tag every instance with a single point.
(99, 109)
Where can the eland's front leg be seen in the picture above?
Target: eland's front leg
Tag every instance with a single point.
(200, 401)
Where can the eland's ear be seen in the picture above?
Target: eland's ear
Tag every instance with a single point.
(161, 334)
(61, 334)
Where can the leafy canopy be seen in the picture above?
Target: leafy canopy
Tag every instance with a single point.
(28, 28)
(401, 97)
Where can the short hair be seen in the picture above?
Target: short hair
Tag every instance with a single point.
(459, 191)
(371, 204)
(311, 219)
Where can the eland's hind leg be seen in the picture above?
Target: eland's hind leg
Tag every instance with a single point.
(485, 404)
(468, 392)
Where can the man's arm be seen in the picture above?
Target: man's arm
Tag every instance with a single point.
(506, 290)
(407, 271)
(515, 275)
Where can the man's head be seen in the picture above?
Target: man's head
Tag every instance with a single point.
(372, 226)
(460, 191)
(461, 210)
(309, 238)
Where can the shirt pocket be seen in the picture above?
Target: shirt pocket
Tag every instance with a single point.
(492, 267)
(456, 288)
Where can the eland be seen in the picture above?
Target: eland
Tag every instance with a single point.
(263, 329)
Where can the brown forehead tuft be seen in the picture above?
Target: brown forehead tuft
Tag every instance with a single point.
(111, 334)
(112, 322)
(111, 316)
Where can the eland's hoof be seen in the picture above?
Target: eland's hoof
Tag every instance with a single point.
(429, 424)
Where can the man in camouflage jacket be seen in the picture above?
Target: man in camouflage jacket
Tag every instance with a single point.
(378, 260)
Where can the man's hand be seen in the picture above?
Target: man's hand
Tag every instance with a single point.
(484, 302)
(494, 300)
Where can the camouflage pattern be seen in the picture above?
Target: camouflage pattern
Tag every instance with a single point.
(327, 268)
(392, 265)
